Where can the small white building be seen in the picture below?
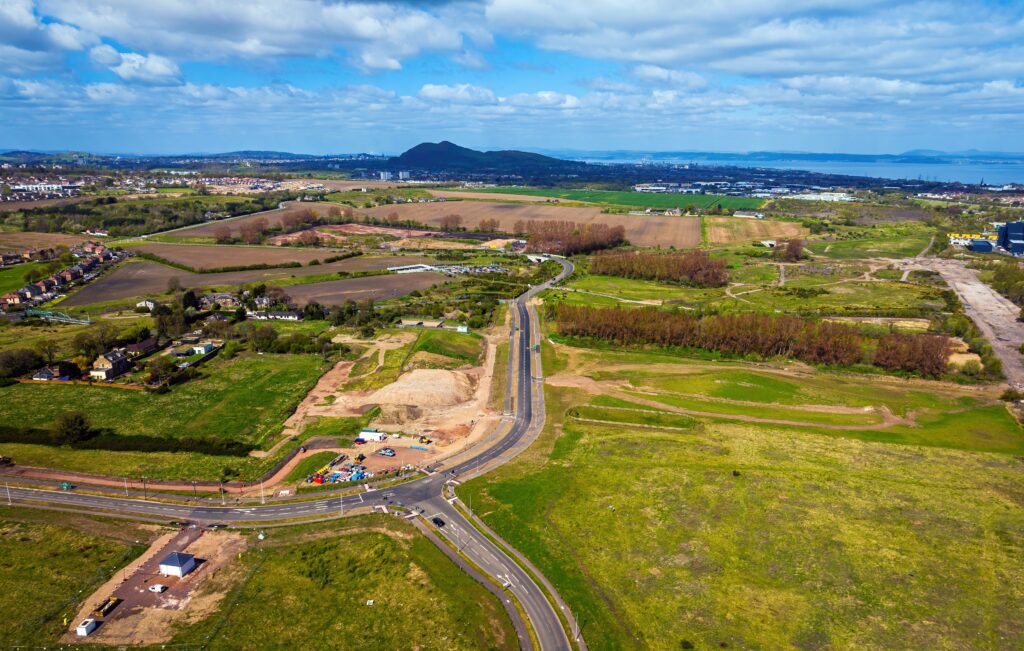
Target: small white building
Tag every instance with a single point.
(177, 564)
(202, 348)
(87, 626)
(373, 435)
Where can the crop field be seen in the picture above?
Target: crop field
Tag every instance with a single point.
(669, 530)
(380, 288)
(305, 585)
(214, 256)
(145, 278)
(49, 560)
(18, 241)
(735, 230)
(635, 199)
(642, 230)
(245, 398)
(638, 291)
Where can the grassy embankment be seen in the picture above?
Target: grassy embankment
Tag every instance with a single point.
(308, 585)
(49, 562)
(667, 530)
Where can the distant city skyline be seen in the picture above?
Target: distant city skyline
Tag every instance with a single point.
(317, 77)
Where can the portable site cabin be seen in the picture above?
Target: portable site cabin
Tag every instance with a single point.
(177, 564)
(373, 435)
(87, 626)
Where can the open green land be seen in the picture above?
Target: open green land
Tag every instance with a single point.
(245, 398)
(13, 278)
(635, 199)
(49, 561)
(888, 241)
(306, 587)
(667, 530)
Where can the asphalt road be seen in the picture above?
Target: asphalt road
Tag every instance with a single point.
(426, 494)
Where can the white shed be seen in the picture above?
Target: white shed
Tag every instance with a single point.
(87, 626)
(373, 435)
(177, 564)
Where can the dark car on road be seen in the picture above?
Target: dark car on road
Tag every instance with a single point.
(438, 522)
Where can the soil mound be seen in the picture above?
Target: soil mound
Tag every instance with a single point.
(426, 388)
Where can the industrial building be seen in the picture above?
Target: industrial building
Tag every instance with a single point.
(1011, 237)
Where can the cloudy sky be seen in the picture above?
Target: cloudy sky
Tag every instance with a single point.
(323, 76)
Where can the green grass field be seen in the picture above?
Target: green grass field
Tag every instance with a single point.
(308, 587)
(13, 278)
(889, 241)
(635, 199)
(713, 534)
(49, 561)
(245, 398)
(309, 465)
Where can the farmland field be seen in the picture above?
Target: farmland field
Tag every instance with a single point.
(273, 217)
(733, 230)
(668, 530)
(18, 241)
(306, 585)
(149, 278)
(642, 230)
(379, 288)
(201, 257)
(634, 199)
(49, 561)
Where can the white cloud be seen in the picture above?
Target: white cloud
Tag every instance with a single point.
(676, 78)
(374, 35)
(130, 66)
(458, 94)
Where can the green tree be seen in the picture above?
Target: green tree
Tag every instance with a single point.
(72, 427)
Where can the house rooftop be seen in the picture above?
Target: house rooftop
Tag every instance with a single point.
(177, 559)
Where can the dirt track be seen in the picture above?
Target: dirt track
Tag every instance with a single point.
(994, 314)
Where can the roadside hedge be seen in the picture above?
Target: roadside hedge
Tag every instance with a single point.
(108, 440)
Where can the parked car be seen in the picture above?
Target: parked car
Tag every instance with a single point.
(386, 452)
(157, 587)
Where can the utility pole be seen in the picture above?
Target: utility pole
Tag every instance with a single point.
(341, 505)
(8, 493)
(194, 495)
(125, 486)
(145, 495)
(263, 500)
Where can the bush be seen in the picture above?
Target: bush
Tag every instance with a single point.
(694, 268)
(72, 427)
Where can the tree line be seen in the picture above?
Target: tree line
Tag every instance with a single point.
(811, 341)
(569, 238)
(693, 267)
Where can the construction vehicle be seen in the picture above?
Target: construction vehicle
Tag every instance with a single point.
(360, 457)
(106, 607)
(424, 440)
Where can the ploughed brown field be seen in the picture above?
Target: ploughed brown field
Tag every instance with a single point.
(200, 256)
(379, 288)
(148, 278)
(273, 218)
(21, 241)
(642, 230)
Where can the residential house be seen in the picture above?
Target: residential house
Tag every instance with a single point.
(45, 374)
(142, 348)
(12, 298)
(31, 291)
(148, 304)
(109, 365)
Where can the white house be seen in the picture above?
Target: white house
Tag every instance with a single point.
(148, 304)
(177, 564)
(202, 349)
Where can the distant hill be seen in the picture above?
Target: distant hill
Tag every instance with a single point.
(438, 156)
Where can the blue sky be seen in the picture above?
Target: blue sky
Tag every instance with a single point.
(319, 76)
